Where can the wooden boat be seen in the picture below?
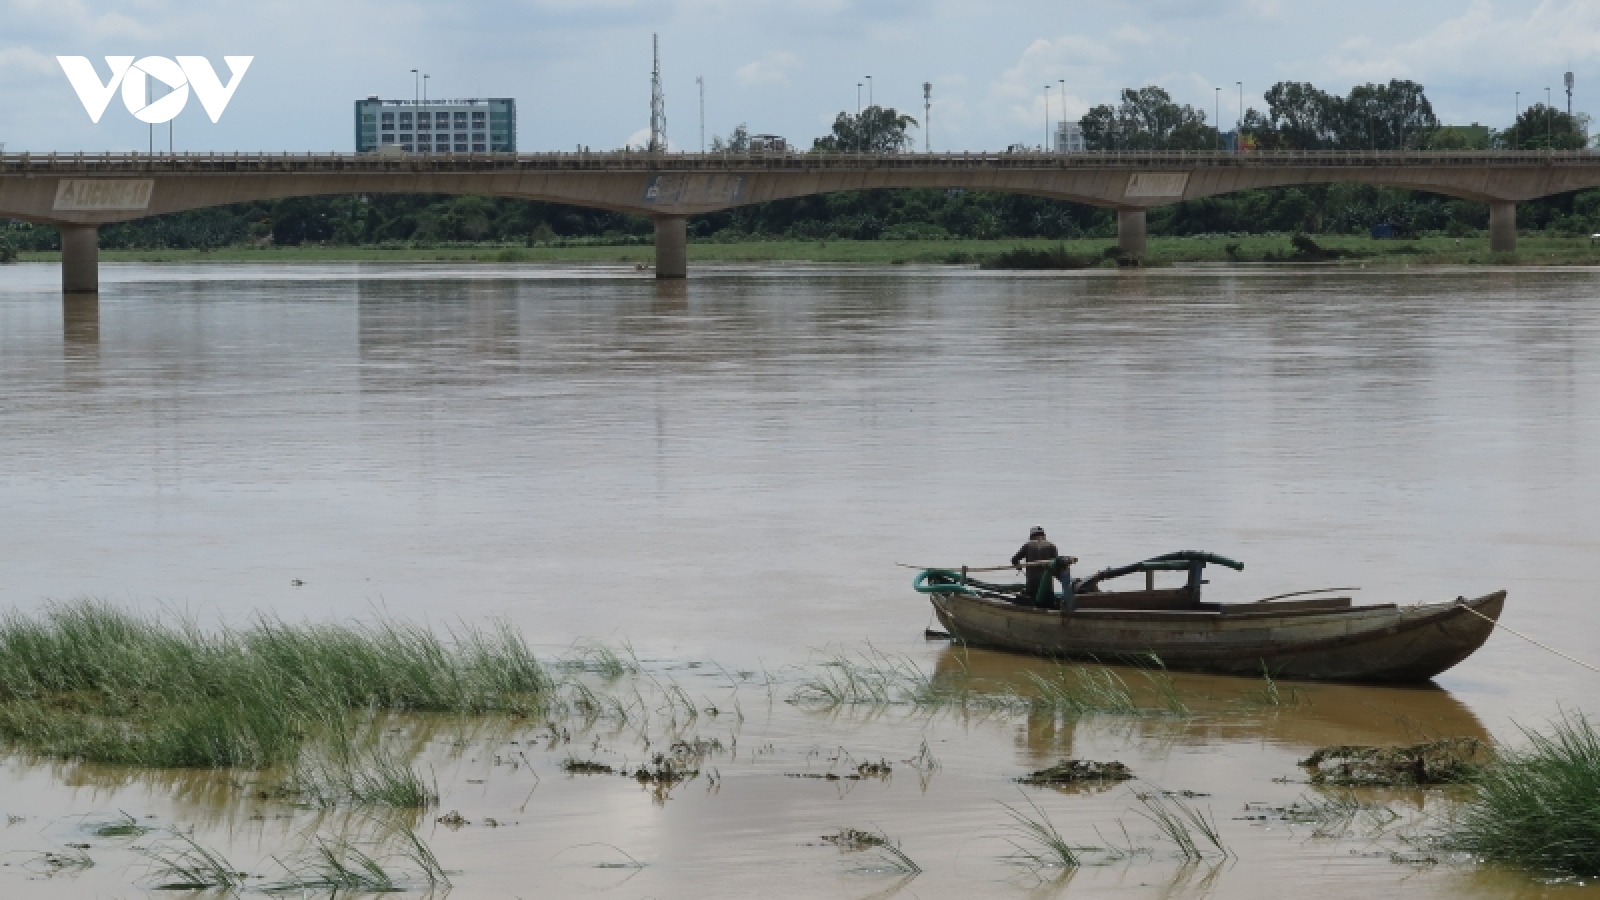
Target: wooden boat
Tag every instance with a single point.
(1292, 636)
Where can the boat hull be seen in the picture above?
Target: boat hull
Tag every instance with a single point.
(1366, 643)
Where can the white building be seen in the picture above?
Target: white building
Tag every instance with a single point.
(1069, 138)
(437, 126)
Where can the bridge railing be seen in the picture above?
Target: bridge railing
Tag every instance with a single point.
(633, 161)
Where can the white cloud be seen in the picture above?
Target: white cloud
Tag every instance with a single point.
(774, 68)
(28, 61)
(1550, 35)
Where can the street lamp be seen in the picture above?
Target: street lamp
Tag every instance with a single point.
(1549, 142)
(1063, 83)
(416, 106)
(1047, 118)
(873, 127)
(1516, 126)
(1218, 126)
(1238, 123)
(701, 81)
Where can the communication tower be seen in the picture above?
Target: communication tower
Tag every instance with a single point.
(1570, 81)
(927, 107)
(658, 103)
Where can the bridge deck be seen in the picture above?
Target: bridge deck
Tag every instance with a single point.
(627, 161)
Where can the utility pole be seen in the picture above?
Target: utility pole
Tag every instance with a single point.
(873, 132)
(658, 102)
(1516, 126)
(1218, 126)
(1238, 123)
(927, 115)
(701, 81)
(1063, 83)
(1047, 118)
(857, 147)
(1549, 126)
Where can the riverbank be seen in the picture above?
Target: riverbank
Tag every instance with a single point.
(1533, 249)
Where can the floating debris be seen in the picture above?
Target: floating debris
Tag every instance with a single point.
(854, 839)
(879, 769)
(585, 767)
(1074, 771)
(663, 770)
(1447, 761)
(452, 819)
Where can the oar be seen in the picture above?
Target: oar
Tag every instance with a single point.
(1303, 593)
(1071, 560)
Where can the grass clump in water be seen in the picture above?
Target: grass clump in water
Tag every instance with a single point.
(1036, 840)
(348, 771)
(1538, 808)
(182, 864)
(87, 680)
(1183, 824)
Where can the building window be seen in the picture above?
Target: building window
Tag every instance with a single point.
(404, 118)
(388, 126)
(443, 117)
(477, 117)
(388, 117)
(388, 139)
(424, 125)
(461, 148)
(460, 138)
(406, 147)
(369, 118)
(479, 148)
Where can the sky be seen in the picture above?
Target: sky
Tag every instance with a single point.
(580, 69)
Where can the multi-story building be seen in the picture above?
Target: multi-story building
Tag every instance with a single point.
(1069, 138)
(436, 126)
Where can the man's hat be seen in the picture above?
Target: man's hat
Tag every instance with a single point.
(1036, 531)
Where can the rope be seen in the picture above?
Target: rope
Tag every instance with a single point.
(1529, 639)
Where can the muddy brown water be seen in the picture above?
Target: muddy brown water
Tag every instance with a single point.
(723, 473)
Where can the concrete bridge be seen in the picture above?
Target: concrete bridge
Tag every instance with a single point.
(80, 192)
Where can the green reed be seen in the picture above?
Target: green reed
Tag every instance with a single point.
(90, 681)
(1036, 840)
(1180, 823)
(1538, 807)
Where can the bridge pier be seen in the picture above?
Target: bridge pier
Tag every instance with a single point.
(1131, 232)
(672, 247)
(1502, 227)
(80, 259)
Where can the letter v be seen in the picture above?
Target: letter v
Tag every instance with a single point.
(94, 95)
(213, 96)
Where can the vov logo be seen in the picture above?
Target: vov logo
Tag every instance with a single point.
(179, 76)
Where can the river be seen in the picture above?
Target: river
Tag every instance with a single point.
(723, 473)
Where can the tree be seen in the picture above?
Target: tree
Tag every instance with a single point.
(1389, 116)
(737, 142)
(1542, 127)
(876, 130)
(1147, 119)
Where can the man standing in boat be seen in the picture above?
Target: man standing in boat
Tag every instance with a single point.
(1038, 549)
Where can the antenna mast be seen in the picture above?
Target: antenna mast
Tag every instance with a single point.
(927, 113)
(658, 103)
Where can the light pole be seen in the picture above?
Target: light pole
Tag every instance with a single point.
(1218, 126)
(872, 132)
(1549, 137)
(1516, 127)
(858, 117)
(701, 81)
(1047, 118)
(416, 106)
(1238, 123)
(1063, 83)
